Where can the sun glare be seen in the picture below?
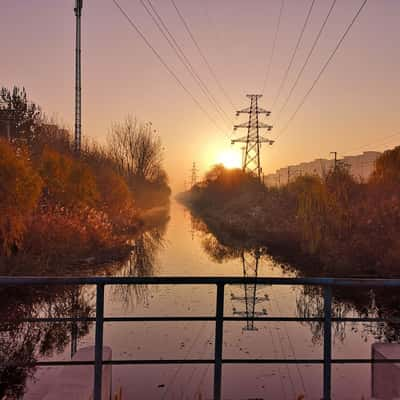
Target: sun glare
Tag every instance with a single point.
(230, 159)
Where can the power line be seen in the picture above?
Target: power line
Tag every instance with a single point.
(205, 88)
(273, 46)
(383, 141)
(324, 67)
(211, 70)
(316, 40)
(169, 37)
(292, 349)
(294, 54)
(165, 65)
(170, 383)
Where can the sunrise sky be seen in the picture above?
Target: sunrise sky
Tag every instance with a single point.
(353, 108)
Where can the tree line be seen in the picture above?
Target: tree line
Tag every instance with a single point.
(334, 223)
(56, 203)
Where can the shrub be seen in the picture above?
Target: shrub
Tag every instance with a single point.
(20, 188)
(70, 233)
(68, 182)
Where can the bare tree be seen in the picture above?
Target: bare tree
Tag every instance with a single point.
(136, 149)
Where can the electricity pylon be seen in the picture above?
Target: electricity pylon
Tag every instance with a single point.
(253, 140)
(194, 174)
(78, 87)
(252, 295)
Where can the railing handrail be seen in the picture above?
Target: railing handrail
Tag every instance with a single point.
(195, 280)
(220, 281)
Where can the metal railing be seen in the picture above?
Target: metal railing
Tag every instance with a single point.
(219, 318)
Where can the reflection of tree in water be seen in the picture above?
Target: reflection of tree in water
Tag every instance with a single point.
(142, 262)
(346, 302)
(353, 302)
(219, 252)
(23, 343)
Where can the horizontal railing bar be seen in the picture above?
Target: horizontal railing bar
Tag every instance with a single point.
(49, 320)
(110, 362)
(209, 361)
(365, 360)
(206, 280)
(309, 361)
(200, 318)
(157, 319)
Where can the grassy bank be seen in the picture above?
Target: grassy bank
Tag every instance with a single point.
(332, 224)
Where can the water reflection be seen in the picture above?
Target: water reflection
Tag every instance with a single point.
(376, 303)
(143, 261)
(221, 246)
(22, 343)
(253, 296)
(248, 300)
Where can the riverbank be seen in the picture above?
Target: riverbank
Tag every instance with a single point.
(63, 207)
(331, 225)
(83, 260)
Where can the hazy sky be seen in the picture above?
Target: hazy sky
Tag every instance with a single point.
(356, 102)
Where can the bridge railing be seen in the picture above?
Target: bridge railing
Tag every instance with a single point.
(220, 282)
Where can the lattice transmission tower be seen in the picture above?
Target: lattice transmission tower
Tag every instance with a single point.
(78, 86)
(253, 140)
(252, 295)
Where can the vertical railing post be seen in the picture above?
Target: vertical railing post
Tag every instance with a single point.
(98, 357)
(327, 341)
(219, 331)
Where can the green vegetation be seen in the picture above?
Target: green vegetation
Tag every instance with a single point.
(59, 207)
(333, 224)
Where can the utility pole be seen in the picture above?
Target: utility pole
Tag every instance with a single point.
(288, 175)
(78, 87)
(194, 174)
(335, 160)
(253, 140)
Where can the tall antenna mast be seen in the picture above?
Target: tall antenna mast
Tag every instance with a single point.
(78, 97)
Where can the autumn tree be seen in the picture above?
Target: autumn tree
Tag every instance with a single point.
(68, 182)
(312, 198)
(20, 188)
(22, 115)
(115, 196)
(387, 167)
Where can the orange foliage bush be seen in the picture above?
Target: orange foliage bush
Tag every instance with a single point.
(60, 232)
(20, 188)
(115, 196)
(68, 182)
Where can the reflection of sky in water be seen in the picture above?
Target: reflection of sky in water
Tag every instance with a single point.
(181, 251)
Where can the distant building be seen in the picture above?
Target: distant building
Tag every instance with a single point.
(360, 166)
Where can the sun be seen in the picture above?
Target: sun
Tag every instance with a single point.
(230, 159)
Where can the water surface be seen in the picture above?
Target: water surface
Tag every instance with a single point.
(184, 247)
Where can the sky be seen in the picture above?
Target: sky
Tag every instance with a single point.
(353, 108)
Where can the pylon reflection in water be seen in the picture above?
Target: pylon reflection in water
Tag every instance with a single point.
(253, 295)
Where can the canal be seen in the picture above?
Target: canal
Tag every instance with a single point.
(184, 247)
